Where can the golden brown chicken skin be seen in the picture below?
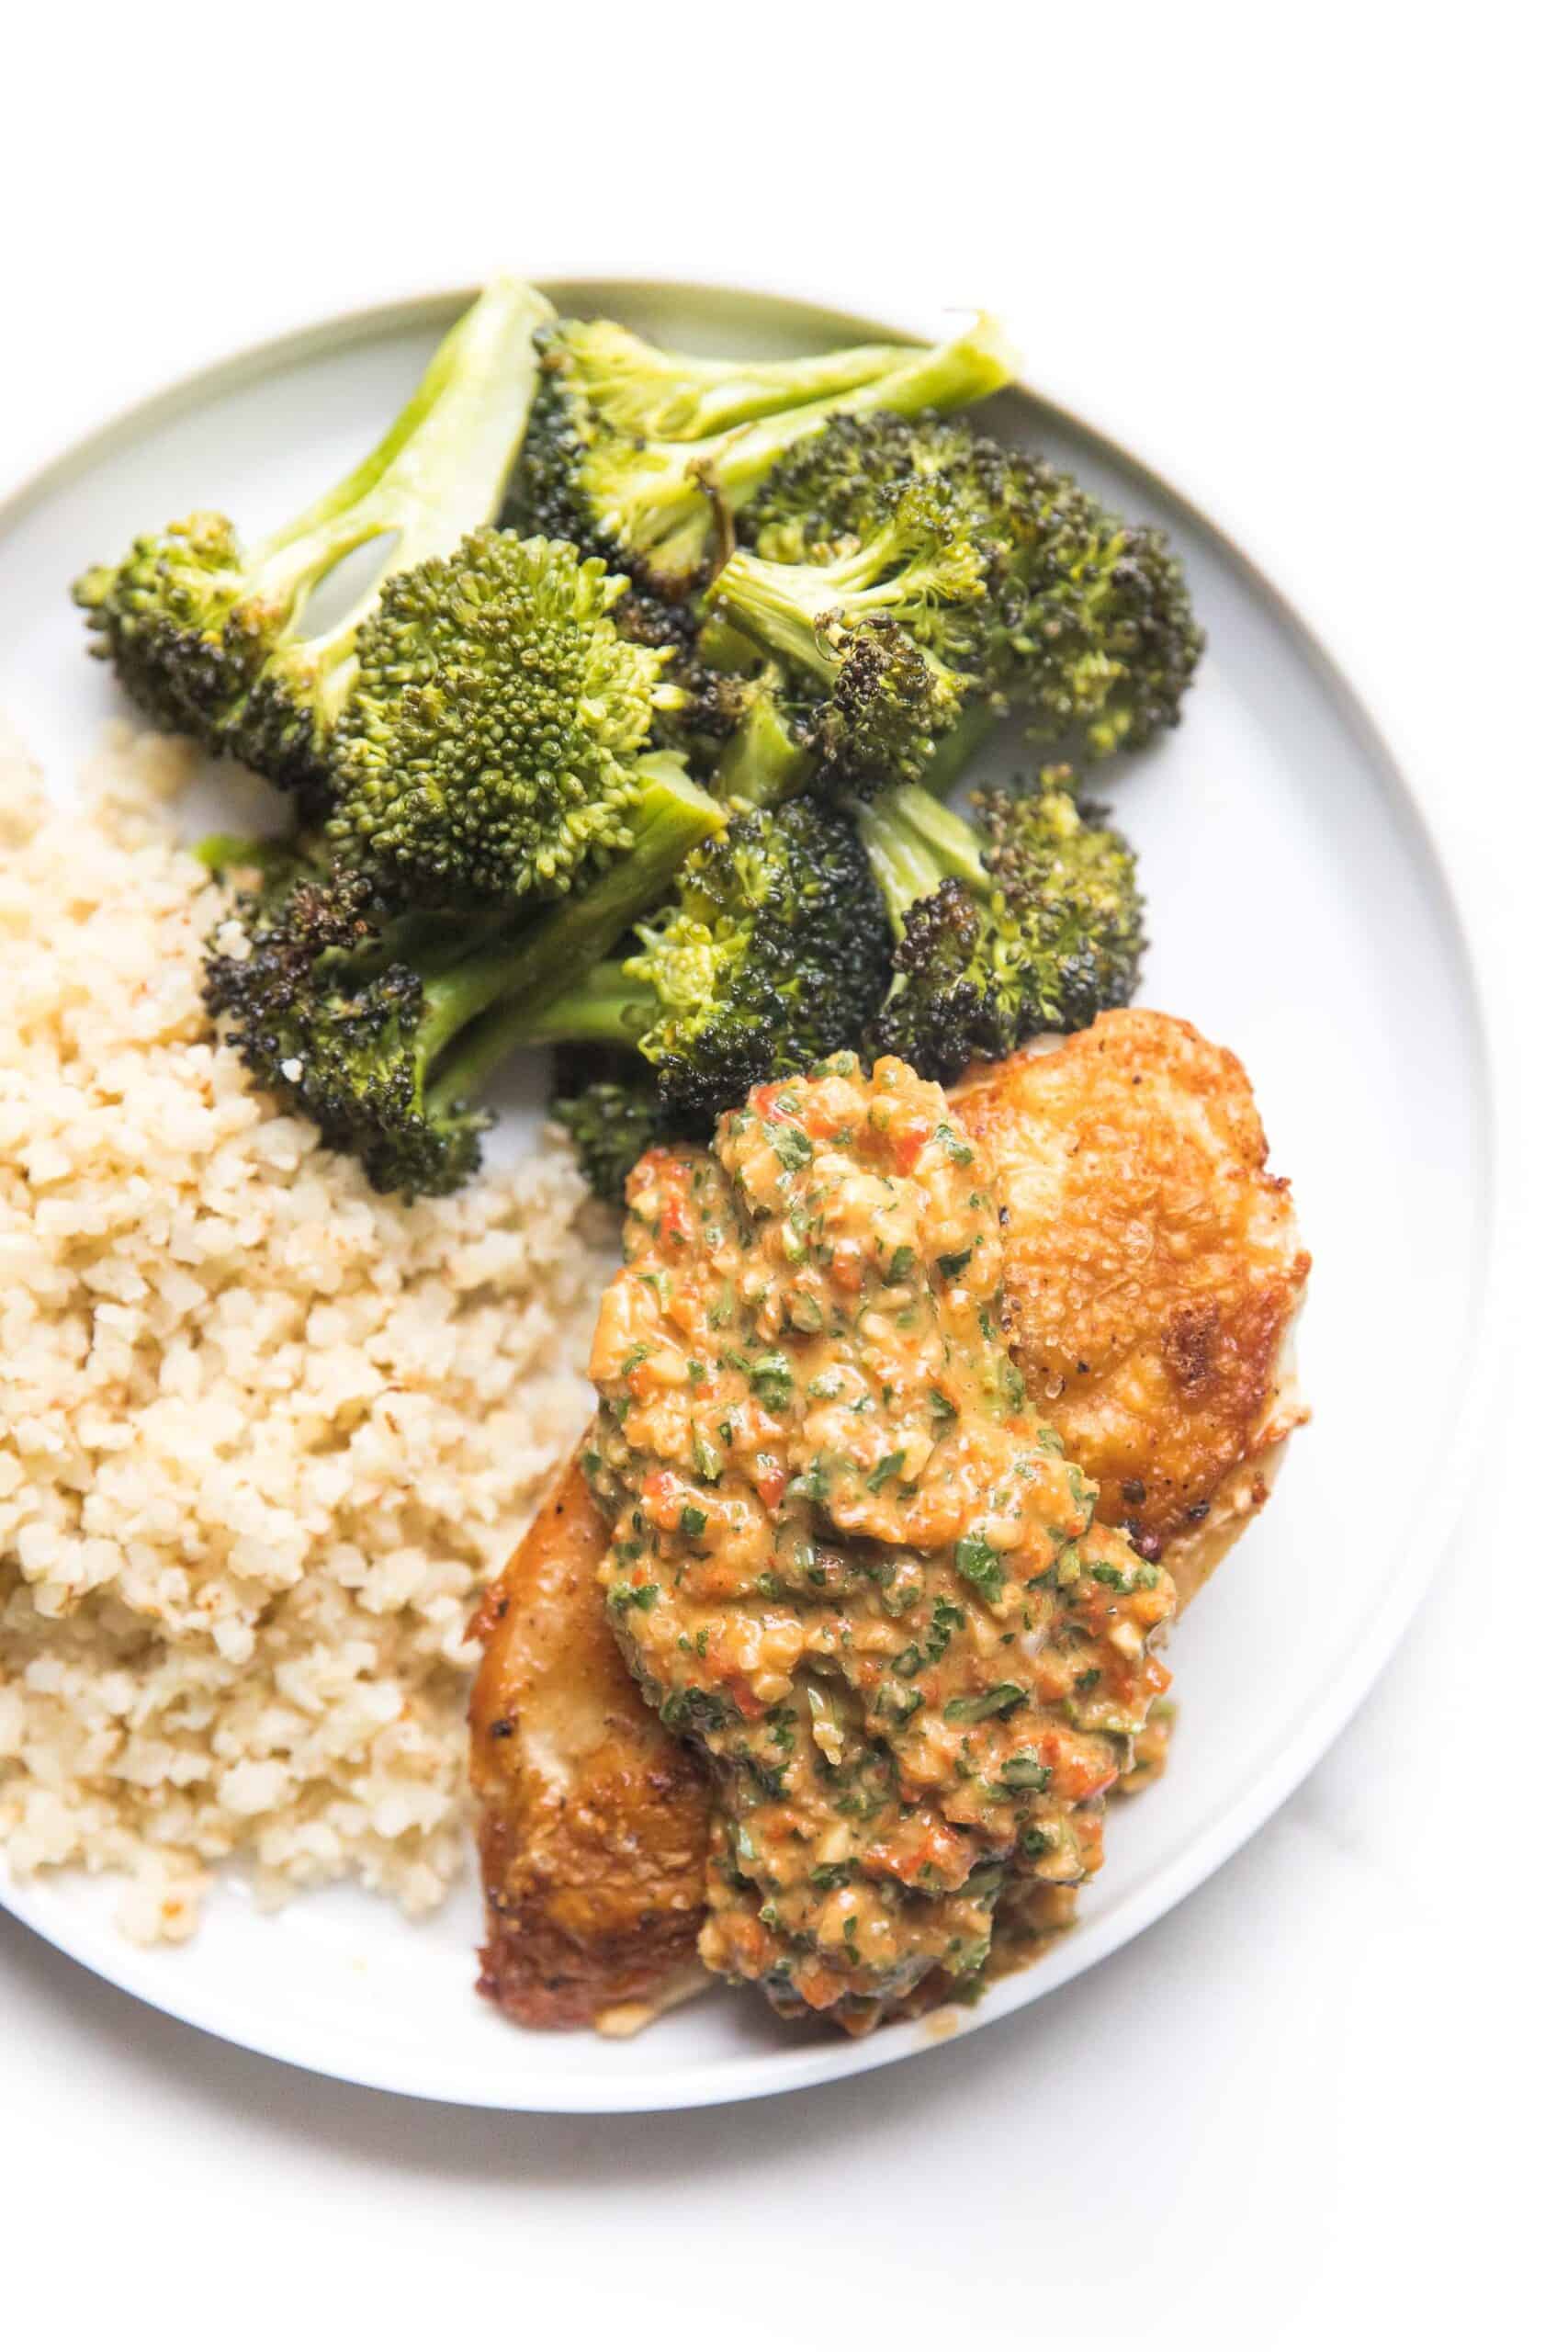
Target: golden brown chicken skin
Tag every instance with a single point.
(593, 1820)
(1153, 1274)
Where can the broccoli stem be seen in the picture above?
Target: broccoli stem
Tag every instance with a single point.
(267, 855)
(497, 999)
(953, 374)
(605, 1008)
(721, 647)
(915, 844)
(957, 746)
(440, 469)
(657, 502)
(784, 605)
(763, 763)
(671, 396)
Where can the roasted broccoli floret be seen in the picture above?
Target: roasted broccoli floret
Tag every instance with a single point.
(773, 954)
(327, 1005)
(778, 746)
(834, 491)
(893, 632)
(659, 507)
(770, 752)
(1069, 879)
(611, 1124)
(1028, 920)
(270, 864)
(711, 669)
(210, 636)
(745, 723)
(490, 748)
(616, 379)
(772, 951)
(1090, 625)
(371, 1020)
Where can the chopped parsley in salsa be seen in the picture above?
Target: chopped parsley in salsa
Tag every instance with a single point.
(865, 1578)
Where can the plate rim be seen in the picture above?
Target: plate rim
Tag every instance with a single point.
(1426, 1538)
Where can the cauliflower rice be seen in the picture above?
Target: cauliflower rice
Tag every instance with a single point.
(264, 1434)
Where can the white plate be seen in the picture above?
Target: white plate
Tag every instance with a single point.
(1300, 915)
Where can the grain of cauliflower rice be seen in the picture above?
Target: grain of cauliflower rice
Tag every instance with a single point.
(263, 1434)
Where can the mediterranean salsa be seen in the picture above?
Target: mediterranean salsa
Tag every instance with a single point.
(848, 1558)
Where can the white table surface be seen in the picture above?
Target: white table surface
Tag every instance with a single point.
(1305, 262)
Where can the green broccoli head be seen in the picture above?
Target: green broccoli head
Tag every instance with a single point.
(614, 378)
(657, 506)
(177, 619)
(892, 632)
(1070, 881)
(773, 950)
(773, 953)
(489, 749)
(822, 499)
(310, 986)
(383, 1025)
(1029, 921)
(611, 1124)
(962, 986)
(1088, 625)
(1099, 629)
(210, 636)
(892, 704)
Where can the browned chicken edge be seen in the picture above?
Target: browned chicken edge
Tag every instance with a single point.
(1154, 1277)
(593, 1820)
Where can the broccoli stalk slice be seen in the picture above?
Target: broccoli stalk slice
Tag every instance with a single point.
(799, 609)
(950, 376)
(1029, 920)
(764, 761)
(441, 469)
(884, 633)
(502, 1000)
(452, 438)
(671, 396)
(915, 844)
(728, 650)
(654, 500)
(606, 1007)
(206, 635)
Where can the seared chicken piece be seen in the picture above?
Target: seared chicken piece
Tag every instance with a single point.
(593, 1819)
(1154, 1274)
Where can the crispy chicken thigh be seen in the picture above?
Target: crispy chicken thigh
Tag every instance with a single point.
(1154, 1274)
(593, 1820)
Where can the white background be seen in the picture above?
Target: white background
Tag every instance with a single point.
(1308, 263)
